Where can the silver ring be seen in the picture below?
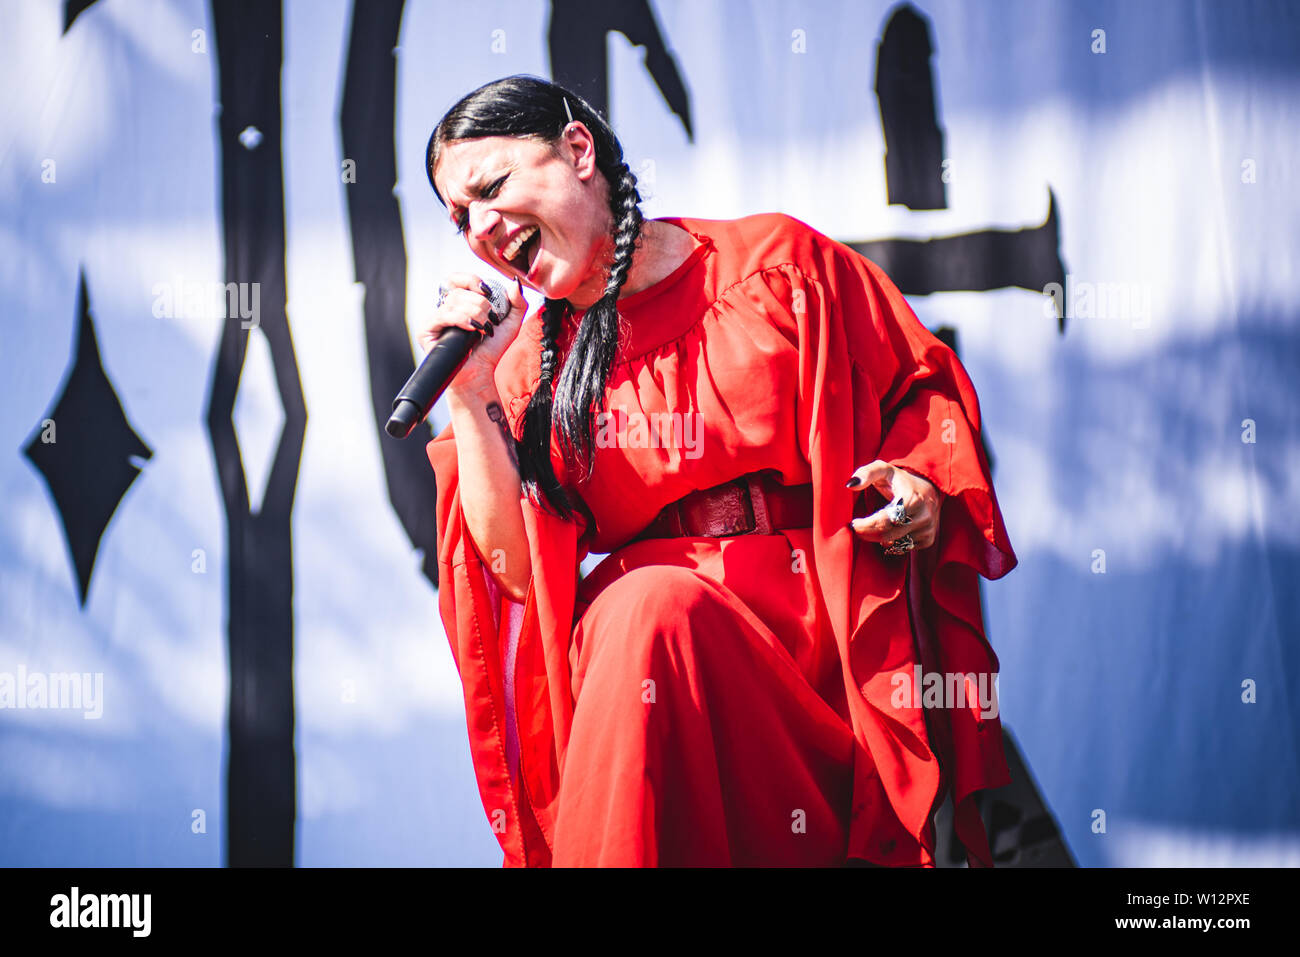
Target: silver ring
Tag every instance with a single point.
(442, 296)
(896, 514)
(900, 546)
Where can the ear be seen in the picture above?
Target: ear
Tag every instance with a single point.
(580, 149)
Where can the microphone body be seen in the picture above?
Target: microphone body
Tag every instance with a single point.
(427, 384)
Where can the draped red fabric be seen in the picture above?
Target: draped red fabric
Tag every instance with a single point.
(747, 700)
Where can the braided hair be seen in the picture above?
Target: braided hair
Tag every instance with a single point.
(533, 108)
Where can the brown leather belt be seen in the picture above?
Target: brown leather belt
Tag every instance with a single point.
(752, 504)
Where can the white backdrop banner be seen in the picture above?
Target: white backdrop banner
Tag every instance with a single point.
(219, 636)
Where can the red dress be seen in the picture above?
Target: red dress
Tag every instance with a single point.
(736, 700)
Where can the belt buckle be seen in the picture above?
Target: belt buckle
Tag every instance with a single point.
(754, 505)
(721, 518)
(757, 503)
(747, 506)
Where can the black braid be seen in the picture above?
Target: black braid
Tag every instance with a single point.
(527, 106)
(536, 471)
(580, 393)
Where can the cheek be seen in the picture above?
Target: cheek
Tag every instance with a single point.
(576, 250)
(573, 241)
(570, 243)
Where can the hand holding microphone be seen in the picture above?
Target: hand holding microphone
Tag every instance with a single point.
(473, 325)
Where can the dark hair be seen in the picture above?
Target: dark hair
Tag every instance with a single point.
(534, 108)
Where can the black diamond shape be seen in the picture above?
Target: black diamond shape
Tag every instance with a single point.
(88, 464)
(73, 9)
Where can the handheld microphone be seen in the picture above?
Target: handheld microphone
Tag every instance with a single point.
(427, 384)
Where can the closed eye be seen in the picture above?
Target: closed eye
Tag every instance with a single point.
(488, 192)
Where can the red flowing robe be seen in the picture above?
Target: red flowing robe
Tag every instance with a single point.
(743, 700)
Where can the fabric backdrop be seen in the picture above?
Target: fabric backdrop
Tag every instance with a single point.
(255, 606)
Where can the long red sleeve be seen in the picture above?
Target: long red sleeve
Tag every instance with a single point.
(872, 371)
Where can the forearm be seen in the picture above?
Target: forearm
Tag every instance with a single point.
(489, 485)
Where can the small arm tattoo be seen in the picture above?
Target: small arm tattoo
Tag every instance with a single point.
(498, 415)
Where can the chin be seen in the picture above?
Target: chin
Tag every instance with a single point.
(554, 290)
(566, 285)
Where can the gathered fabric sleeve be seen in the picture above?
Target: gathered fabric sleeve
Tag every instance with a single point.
(870, 371)
(512, 658)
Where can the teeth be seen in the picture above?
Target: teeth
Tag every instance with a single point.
(511, 251)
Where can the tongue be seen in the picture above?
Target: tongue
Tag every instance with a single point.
(530, 250)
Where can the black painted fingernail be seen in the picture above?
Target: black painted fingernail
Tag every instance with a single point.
(484, 286)
(850, 483)
(849, 525)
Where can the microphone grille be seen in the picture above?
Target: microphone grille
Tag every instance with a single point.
(498, 298)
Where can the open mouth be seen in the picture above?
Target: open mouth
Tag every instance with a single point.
(524, 252)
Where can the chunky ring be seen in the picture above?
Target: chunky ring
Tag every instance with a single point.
(442, 296)
(900, 546)
(896, 514)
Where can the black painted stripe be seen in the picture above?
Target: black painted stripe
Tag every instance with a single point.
(576, 44)
(908, 113)
(261, 772)
(367, 127)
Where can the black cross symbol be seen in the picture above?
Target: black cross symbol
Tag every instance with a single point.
(989, 259)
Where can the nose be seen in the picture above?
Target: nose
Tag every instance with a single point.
(482, 227)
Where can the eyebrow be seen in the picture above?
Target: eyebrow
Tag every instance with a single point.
(474, 189)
